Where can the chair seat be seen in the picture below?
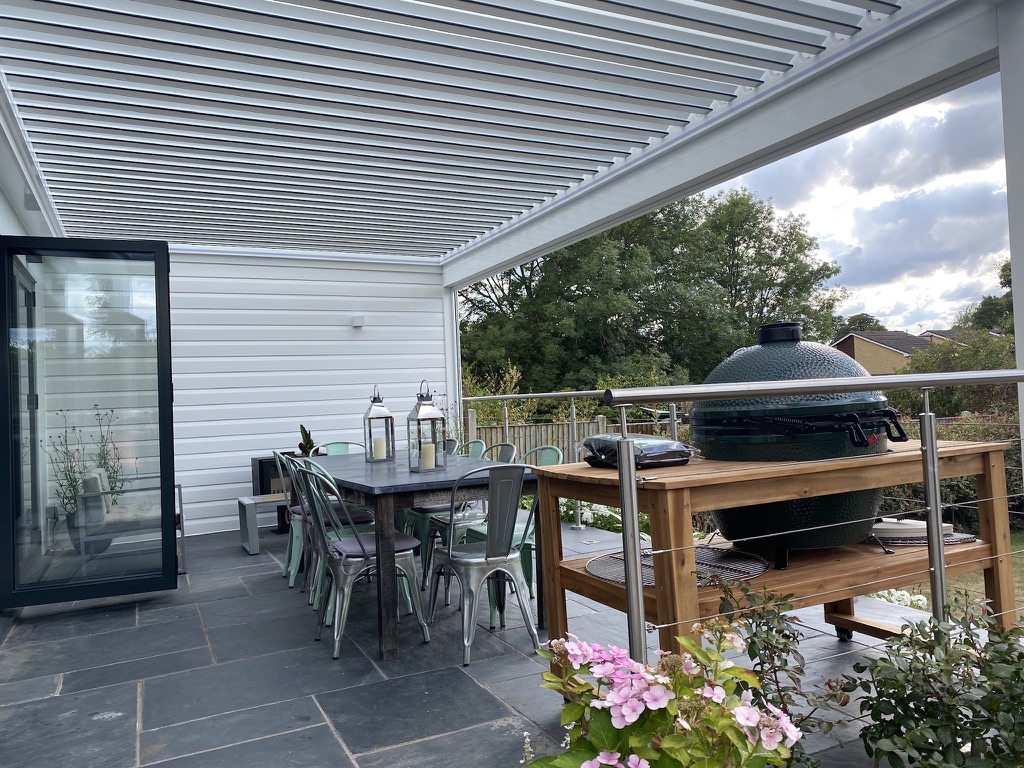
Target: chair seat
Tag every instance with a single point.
(474, 552)
(351, 548)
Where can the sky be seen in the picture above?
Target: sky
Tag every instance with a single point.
(912, 207)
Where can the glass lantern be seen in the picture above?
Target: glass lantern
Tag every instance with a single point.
(378, 430)
(426, 434)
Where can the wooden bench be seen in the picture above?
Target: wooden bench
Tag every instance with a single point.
(248, 508)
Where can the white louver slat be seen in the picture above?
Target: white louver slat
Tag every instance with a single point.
(383, 127)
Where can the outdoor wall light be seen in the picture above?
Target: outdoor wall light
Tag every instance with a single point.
(426, 434)
(378, 430)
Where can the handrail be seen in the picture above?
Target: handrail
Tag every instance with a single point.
(688, 392)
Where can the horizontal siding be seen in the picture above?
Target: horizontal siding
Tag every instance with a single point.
(261, 345)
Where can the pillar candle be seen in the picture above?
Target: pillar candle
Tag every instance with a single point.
(426, 457)
(380, 448)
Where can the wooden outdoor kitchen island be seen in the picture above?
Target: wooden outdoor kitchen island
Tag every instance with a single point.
(831, 577)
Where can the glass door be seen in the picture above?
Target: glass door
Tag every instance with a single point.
(90, 511)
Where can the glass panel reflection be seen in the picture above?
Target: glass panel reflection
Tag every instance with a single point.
(87, 417)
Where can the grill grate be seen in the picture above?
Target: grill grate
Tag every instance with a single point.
(729, 564)
(920, 541)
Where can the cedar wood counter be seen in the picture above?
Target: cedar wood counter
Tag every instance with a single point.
(831, 577)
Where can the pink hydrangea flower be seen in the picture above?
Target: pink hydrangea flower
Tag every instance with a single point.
(604, 758)
(715, 693)
(747, 715)
(637, 762)
(690, 667)
(627, 713)
(658, 697)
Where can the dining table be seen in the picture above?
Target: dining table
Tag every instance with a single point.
(387, 487)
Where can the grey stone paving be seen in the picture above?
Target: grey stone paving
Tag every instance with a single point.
(224, 671)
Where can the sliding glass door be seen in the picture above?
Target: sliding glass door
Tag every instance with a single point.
(89, 507)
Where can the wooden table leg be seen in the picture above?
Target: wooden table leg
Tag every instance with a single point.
(675, 568)
(550, 550)
(994, 527)
(387, 577)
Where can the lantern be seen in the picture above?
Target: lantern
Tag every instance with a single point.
(378, 430)
(426, 434)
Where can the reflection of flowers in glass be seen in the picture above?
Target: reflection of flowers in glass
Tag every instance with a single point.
(694, 707)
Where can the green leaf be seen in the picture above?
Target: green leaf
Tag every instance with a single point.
(602, 734)
(572, 712)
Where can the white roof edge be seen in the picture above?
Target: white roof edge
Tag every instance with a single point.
(288, 253)
(32, 201)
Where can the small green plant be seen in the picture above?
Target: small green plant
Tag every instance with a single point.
(946, 693)
(772, 637)
(108, 455)
(68, 464)
(307, 446)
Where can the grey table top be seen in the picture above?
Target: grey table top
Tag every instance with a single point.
(377, 478)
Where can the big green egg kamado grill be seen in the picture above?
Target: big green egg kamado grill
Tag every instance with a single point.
(794, 428)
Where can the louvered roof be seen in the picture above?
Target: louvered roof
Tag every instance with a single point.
(384, 128)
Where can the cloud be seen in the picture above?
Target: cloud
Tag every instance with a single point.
(923, 232)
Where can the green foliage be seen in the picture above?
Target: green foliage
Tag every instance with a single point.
(694, 709)
(666, 297)
(946, 693)
(992, 313)
(504, 382)
(307, 446)
(960, 494)
(68, 464)
(772, 638)
(974, 351)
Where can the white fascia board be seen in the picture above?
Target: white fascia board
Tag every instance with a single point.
(927, 49)
(21, 181)
(282, 253)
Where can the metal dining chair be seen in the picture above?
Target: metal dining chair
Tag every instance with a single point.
(472, 563)
(342, 447)
(542, 455)
(504, 452)
(473, 448)
(348, 558)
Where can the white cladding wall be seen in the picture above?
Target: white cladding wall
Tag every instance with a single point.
(262, 344)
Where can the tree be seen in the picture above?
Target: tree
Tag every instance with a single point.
(974, 351)
(992, 313)
(859, 322)
(666, 296)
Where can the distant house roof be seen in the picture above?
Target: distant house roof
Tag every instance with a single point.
(901, 341)
(952, 334)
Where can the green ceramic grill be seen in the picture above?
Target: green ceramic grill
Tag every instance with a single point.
(794, 428)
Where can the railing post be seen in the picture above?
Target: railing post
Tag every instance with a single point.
(573, 457)
(470, 424)
(631, 545)
(933, 498)
(674, 429)
(504, 421)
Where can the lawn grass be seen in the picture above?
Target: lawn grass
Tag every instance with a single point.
(974, 583)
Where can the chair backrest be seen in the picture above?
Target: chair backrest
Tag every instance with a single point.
(474, 448)
(504, 490)
(322, 490)
(505, 452)
(95, 500)
(342, 447)
(284, 476)
(451, 446)
(542, 456)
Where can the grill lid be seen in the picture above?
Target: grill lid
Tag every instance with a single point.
(782, 355)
